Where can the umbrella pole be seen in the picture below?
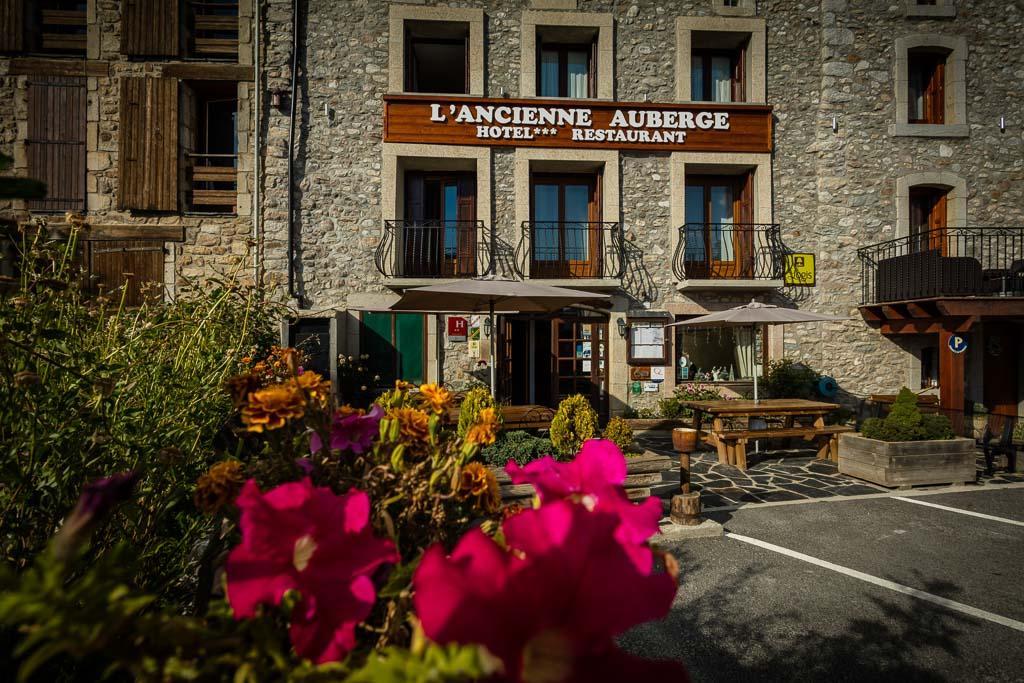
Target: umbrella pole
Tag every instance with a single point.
(753, 347)
(494, 336)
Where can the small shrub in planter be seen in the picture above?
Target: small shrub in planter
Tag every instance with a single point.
(518, 446)
(620, 433)
(575, 421)
(906, 423)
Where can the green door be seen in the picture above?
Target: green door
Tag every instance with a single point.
(396, 344)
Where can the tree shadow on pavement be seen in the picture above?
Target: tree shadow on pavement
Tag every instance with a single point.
(746, 627)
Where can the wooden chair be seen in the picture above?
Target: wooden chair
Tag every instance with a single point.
(998, 439)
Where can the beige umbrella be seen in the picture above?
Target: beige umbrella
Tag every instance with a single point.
(753, 314)
(493, 295)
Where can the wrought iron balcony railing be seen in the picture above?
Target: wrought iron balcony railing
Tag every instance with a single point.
(435, 249)
(213, 182)
(729, 251)
(571, 250)
(974, 261)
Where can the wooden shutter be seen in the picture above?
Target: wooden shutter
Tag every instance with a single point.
(12, 25)
(935, 94)
(149, 144)
(739, 75)
(746, 253)
(56, 141)
(137, 263)
(467, 231)
(592, 70)
(149, 28)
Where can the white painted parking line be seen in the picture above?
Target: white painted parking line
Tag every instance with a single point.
(884, 583)
(1004, 520)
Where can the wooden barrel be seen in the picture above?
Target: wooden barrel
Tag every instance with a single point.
(684, 439)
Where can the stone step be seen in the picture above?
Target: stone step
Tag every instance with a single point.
(644, 479)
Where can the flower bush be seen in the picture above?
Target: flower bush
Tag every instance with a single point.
(619, 432)
(574, 422)
(671, 407)
(517, 446)
(906, 423)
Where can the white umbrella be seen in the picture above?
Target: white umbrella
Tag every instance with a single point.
(492, 295)
(753, 314)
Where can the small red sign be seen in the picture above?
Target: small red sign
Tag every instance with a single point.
(458, 328)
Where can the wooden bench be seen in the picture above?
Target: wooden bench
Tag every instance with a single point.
(732, 445)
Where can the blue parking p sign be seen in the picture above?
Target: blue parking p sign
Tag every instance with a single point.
(957, 343)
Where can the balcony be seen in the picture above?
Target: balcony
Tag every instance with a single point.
(214, 33)
(213, 182)
(944, 263)
(589, 253)
(411, 251)
(729, 256)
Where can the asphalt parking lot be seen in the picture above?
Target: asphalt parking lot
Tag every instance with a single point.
(873, 589)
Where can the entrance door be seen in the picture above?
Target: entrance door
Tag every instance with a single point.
(439, 236)
(580, 350)
(719, 235)
(566, 236)
(928, 219)
(1001, 367)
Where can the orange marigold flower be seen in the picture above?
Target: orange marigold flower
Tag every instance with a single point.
(437, 398)
(413, 424)
(219, 486)
(272, 407)
(240, 386)
(479, 485)
(315, 385)
(485, 431)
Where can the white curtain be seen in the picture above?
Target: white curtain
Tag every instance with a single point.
(577, 68)
(721, 79)
(744, 339)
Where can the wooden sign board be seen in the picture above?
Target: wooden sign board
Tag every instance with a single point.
(577, 124)
(640, 374)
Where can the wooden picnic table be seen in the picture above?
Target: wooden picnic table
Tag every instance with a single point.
(730, 427)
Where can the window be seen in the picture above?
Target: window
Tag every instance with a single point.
(928, 218)
(929, 8)
(566, 70)
(926, 78)
(648, 343)
(57, 27)
(439, 234)
(55, 145)
(929, 367)
(212, 28)
(716, 76)
(734, 8)
(725, 354)
(396, 346)
(210, 145)
(148, 144)
(718, 232)
(437, 57)
(312, 336)
(566, 232)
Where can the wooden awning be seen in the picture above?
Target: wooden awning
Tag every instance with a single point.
(930, 316)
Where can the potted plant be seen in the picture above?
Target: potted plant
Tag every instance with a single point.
(907, 448)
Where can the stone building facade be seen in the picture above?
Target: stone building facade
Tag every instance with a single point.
(846, 166)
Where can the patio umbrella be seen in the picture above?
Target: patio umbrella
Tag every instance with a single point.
(492, 295)
(753, 314)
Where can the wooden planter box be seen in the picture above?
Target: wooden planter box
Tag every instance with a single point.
(643, 424)
(642, 472)
(907, 463)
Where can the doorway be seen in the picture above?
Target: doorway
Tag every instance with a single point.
(719, 233)
(1001, 367)
(544, 360)
(928, 219)
(439, 235)
(565, 218)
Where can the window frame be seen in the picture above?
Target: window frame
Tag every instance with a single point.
(633, 324)
(932, 69)
(399, 15)
(954, 86)
(563, 50)
(409, 74)
(737, 72)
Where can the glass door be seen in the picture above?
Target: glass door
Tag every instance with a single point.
(439, 235)
(718, 243)
(566, 232)
(579, 350)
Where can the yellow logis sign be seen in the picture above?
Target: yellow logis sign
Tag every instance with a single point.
(799, 270)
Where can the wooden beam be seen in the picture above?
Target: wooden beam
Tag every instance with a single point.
(892, 313)
(209, 72)
(893, 327)
(918, 311)
(119, 231)
(39, 66)
(988, 307)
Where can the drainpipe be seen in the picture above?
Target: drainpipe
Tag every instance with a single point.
(257, 263)
(293, 292)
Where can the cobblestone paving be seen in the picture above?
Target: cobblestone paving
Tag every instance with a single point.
(778, 475)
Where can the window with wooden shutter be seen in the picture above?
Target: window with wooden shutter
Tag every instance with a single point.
(149, 28)
(12, 25)
(137, 264)
(926, 76)
(56, 141)
(149, 144)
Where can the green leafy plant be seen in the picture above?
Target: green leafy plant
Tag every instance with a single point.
(672, 407)
(518, 446)
(575, 421)
(476, 399)
(906, 423)
(786, 379)
(619, 431)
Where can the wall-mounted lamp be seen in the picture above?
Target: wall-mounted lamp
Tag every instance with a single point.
(835, 123)
(278, 98)
(1002, 124)
(623, 327)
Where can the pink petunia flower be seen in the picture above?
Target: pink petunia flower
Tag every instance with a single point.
(350, 430)
(550, 606)
(594, 478)
(308, 539)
